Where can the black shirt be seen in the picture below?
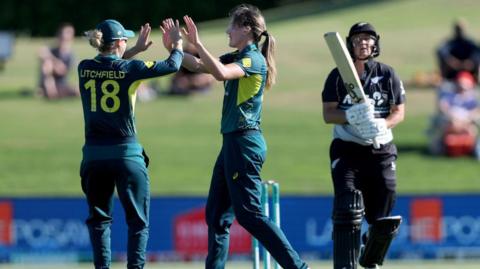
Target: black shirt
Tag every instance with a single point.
(381, 85)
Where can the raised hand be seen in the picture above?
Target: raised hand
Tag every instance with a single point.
(191, 33)
(143, 41)
(171, 34)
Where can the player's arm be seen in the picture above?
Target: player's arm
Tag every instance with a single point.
(331, 113)
(143, 42)
(193, 64)
(130, 53)
(397, 111)
(218, 70)
(211, 64)
(172, 41)
(397, 115)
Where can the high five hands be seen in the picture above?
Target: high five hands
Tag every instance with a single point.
(143, 41)
(191, 33)
(172, 39)
(171, 35)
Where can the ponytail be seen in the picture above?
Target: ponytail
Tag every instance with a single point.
(268, 51)
(96, 41)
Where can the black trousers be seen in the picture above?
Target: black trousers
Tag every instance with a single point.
(370, 170)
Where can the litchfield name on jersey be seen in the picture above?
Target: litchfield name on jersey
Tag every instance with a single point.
(110, 74)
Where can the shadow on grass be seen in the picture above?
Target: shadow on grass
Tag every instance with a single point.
(17, 94)
(414, 148)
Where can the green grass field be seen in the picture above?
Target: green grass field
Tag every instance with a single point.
(245, 265)
(41, 141)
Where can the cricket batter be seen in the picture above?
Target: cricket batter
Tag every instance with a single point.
(235, 188)
(363, 177)
(112, 155)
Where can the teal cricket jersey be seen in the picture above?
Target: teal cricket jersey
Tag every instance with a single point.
(242, 102)
(108, 87)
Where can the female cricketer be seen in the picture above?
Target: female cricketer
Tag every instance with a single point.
(112, 156)
(364, 177)
(235, 188)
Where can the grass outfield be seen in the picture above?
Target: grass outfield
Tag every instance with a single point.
(244, 265)
(40, 141)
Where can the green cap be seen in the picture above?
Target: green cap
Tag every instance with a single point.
(113, 30)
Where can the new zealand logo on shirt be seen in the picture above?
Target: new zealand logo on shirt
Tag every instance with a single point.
(375, 80)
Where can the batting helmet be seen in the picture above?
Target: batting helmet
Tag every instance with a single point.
(363, 27)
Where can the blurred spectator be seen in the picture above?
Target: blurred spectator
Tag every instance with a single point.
(454, 129)
(185, 82)
(55, 65)
(146, 91)
(6, 47)
(460, 53)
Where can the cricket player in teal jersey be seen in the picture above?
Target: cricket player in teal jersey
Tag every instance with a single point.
(112, 156)
(236, 182)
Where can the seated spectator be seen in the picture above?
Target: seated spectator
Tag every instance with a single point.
(460, 53)
(55, 65)
(146, 91)
(454, 129)
(185, 82)
(6, 47)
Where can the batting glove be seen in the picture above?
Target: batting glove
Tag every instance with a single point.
(359, 113)
(373, 128)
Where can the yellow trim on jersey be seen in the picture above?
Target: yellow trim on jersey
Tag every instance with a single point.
(149, 64)
(247, 62)
(132, 92)
(248, 87)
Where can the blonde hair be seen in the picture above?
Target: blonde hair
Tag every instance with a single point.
(96, 41)
(249, 15)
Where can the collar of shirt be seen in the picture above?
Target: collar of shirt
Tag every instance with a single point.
(369, 65)
(109, 57)
(249, 47)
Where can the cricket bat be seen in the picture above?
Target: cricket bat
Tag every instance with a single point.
(347, 70)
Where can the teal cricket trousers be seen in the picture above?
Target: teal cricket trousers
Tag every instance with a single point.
(99, 179)
(236, 184)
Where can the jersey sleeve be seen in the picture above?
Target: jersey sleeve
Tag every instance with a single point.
(250, 63)
(151, 69)
(330, 89)
(397, 89)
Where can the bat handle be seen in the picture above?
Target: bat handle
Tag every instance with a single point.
(376, 145)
